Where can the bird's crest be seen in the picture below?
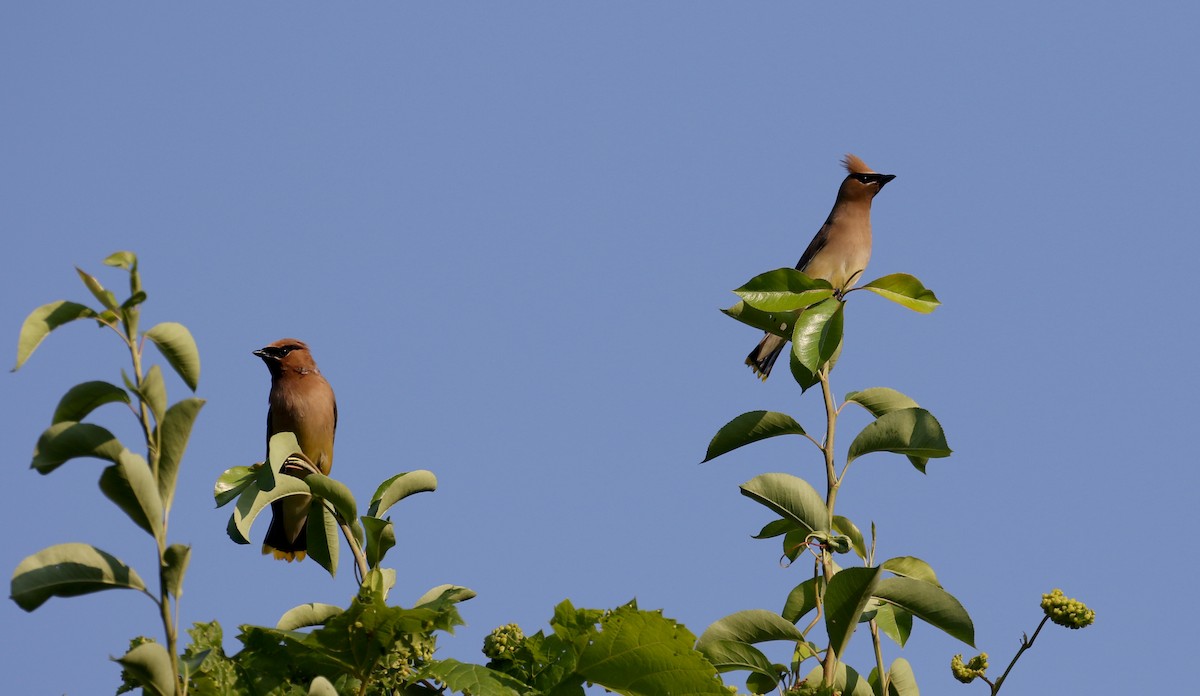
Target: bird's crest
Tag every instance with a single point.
(854, 165)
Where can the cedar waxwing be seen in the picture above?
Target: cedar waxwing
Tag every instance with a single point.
(840, 251)
(301, 402)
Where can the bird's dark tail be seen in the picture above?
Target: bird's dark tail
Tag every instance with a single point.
(763, 357)
(277, 542)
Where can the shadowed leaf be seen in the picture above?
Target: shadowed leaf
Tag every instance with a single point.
(82, 399)
(751, 427)
(42, 321)
(68, 440)
(69, 570)
(398, 488)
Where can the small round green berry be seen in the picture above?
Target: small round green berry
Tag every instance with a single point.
(503, 642)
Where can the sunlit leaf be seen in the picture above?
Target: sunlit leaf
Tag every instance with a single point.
(174, 432)
(398, 488)
(881, 400)
(42, 321)
(321, 686)
(105, 297)
(782, 290)
(846, 681)
(231, 483)
(750, 626)
(792, 498)
(911, 567)
(845, 526)
(381, 536)
(176, 344)
(82, 399)
(254, 500)
(930, 603)
(910, 431)
(461, 677)
(751, 427)
(69, 570)
(818, 334)
(906, 290)
(323, 536)
(895, 622)
(778, 323)
(305, 615)
(130, 484)
(731, 655)
(150, 665)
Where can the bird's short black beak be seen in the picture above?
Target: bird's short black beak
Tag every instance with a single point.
(262, 353)
(884, 178)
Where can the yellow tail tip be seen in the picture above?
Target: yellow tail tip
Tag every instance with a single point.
(288, 556)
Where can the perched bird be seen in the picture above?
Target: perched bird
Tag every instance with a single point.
(301, 402)
(840, 251)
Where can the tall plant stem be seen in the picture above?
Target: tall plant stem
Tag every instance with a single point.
(832, 483)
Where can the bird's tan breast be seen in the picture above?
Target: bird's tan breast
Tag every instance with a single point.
(304, 405)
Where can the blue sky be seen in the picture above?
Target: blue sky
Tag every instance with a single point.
(505, 229)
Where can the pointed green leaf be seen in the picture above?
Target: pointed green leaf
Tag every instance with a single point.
(751, 427)
(778, 323)
(905, 290)
(122, 259)
(775, 528)
(750, 626)
(254, 500)
(130, 484)
(150, 665)
(731, 655)
(911, 567)
(894, 622)
(805, 377)
(846, 681)
(782, 290)
(792, 498)
(104, 296)
(477, 680)
(82, 399)
(154, 392)
(174, 431)
(881, 400)
(69, 570)
(801, 600)
(444, 595)
(818, 334)
(176, 559)
(931, 604)
(176, 344)
(381, 536)
(68, 440)
(845, 526)
(323, 535)
(305, 615)
(231, 483)
(903, 681)
(909, 431)
(336, 493)
(845, 598)
(398, 488)
(42, 321)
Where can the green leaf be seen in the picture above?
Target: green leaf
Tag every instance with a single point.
(805, 377)
(911, 567)
(751, 427)
(731, 655)
(894, 622)
(775, 528)
(778, 323)
(783, 289)
(82, 399)
(323, 535)
(105, 297)
(68, 440)
(903, 681)
(909, 431)
(818, 334)
(176, 559)
(321, 687)
(844, 526)
(175, 429)
(881, 400)
(130, 484)
(122, 259)
(398, 488)
(42, 321)
(280, 447)
(305, 615)
(845, 598)
(792, 498)
(176, 344)
(154, 392)
(905, 290)
(69, 570)
(381, 536)
(801, 600)
(930, 603)
(640, 653)
(150, 665)
(750, 626)
(444, 595)
(336, 493)
(476, 680)
(846, 681)
(253, 500)
(231, 483)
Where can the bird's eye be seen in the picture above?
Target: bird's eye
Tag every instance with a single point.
(862, 178)
(285, 350)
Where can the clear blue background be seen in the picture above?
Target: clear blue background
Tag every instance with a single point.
(506, 228)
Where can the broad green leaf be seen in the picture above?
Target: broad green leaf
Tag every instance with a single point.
(805, 377)
(778, 323)
(783, 289)
(476, 680)
(444, 595)
(150, 665)
(305, 615)
(69, 440)
(130, 484)
(176, 559)
(231, 483)
(751, 427)
(176, 344)
(757, 683)
(801, 600)
(911, 567)
(324, 536)
(881, 400)
(280, 447)
(154, 392)
(750, 626)
(253, 500)
(818, 334)
(381, 536)
(42, 321)
(903, 681)
(846, 681)
(335, 492)
(69, 570)
(640, 653)
(845, 526)
(321, 686)
(775, 528)
(105, 297)
(732, 655)
(845, 598)
(909, 431)
(893, 621)
(174, 431)
(82, 399)
(930, 603)
(795, 541)
(905, 290)
(398, 488)
(792, 498)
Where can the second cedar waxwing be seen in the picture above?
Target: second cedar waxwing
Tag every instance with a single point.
(301, 402)
(840, 251)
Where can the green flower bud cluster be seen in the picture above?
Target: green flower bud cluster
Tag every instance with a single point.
(503, 642)
(805, 688)
(966, 673)
(1065, 611)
